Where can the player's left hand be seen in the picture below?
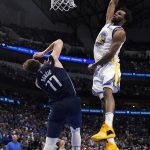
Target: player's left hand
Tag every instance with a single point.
(91, 67)
(38, 55)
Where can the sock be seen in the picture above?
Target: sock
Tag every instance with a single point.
(50, 143)
(111, 140)
(75, 138)
(109, 118)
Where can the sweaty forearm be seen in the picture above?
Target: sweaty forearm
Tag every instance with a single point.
(49, 48)
(109, 55)
(54, 46)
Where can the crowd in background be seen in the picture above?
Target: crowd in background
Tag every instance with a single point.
(39, 39)
(13, 72)
(30, 126)
(138, 62)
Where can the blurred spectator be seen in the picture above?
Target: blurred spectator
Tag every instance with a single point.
(14, 145)
(30, 125)
(62, 145)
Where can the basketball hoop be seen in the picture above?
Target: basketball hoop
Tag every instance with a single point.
(63, 5)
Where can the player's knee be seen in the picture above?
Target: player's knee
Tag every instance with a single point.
(74, 131)
(108, 92)
(50, 141)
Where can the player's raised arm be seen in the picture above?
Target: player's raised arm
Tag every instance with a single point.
(55, 47)
(110, 10)
(118, 38)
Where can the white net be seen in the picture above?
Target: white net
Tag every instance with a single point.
(63, 5)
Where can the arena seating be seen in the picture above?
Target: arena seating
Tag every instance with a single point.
(30, 125)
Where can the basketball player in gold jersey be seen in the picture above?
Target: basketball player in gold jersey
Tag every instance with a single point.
(106, 79)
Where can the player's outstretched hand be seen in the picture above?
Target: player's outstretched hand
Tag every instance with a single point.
(91, 67)
(38, 55)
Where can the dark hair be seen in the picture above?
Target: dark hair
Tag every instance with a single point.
(31, 65)
(128, 15)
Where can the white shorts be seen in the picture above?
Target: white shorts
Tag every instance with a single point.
(106, 76)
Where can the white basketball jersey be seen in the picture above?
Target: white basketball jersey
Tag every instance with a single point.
(104, 41)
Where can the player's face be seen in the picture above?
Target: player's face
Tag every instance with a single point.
(119, 16)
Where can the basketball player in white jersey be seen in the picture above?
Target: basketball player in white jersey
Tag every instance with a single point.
(106, 79)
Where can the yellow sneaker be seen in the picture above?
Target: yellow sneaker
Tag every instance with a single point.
(111, 146)
(105, 133)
